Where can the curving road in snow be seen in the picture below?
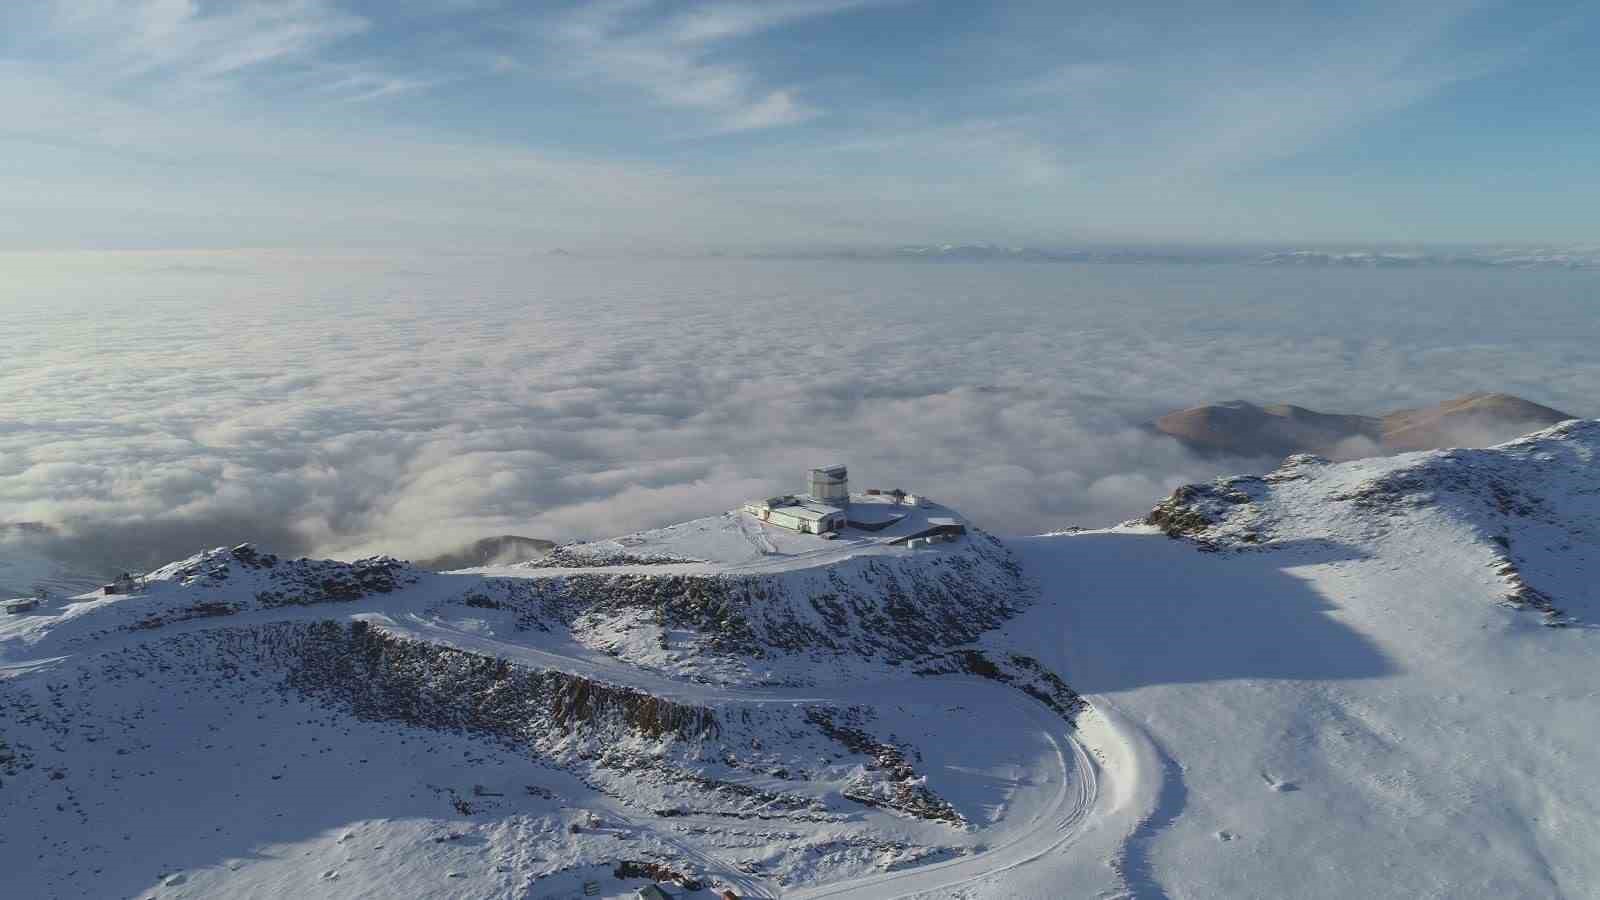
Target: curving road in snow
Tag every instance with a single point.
(1083, 784)
(1072, 773)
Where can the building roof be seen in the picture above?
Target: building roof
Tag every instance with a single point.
(834, 471)
(811, 512)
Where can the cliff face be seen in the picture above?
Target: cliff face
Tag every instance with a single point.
(380, 676)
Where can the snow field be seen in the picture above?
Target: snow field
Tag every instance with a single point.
(1339, 680)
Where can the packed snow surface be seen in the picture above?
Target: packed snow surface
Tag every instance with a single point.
(1334, 680)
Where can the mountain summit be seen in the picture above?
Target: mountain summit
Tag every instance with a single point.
(1239, 428)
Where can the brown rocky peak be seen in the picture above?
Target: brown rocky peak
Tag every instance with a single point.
(1240, 428)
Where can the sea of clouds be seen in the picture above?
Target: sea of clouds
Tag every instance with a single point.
(152, 404)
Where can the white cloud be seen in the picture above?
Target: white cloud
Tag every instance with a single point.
(1211, 97)
(777, 108)
(359, 404)
(183, 38)
(669, 57)
(185, 52)
(169, 123)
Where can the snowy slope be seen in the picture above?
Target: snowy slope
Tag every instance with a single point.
(1344, 689)
(249, 725)
(1331, 680)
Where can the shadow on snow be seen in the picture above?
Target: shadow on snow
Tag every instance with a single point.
(1142, 609)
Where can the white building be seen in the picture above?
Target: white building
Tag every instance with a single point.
(818, 512)
(797, 514)
(807, 518)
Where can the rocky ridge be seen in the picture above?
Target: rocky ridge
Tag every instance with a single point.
(1532, 505)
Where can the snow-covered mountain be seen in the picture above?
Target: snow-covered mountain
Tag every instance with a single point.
(1333, 679)
(1573, 257)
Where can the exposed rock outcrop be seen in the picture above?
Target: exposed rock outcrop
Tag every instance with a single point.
(869, 607)
(1524, 506)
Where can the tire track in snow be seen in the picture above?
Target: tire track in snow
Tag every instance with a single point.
(1075, 773)
(1162, 799)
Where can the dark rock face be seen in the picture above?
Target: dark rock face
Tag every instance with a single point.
(655, 872)
(872, 608)
(304, 582)
(568, 558)
(1194, 508)
(899, 788)
(201, 610)
(1244, 429)
(1022, 672)
(380, 676)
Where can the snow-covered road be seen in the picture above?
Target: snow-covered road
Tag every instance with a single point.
(1064, 793)
(1068, 775)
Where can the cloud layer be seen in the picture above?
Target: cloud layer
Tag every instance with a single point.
(157, 403)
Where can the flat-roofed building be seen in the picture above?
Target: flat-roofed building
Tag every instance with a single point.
(807, 518)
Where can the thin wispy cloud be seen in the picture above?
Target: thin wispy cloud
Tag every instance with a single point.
(772, 122)
(669, 57)
(358, 84)
(1223, 114)
(187, 40)
(143, 50)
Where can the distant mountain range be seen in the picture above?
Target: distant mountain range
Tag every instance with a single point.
(1365, 258)
(1239, 428)
(1524, 258)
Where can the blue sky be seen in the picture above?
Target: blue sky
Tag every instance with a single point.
(474, 123)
